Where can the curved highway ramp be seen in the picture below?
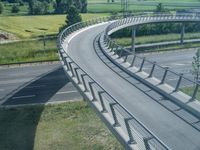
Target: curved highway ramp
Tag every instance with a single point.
(139, 116)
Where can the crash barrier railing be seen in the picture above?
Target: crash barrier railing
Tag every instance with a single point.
(135, 130)
(131, 20)
(177, 81)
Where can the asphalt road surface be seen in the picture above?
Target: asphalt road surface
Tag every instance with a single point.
(35, 84)
(177, 61)
(162, 119)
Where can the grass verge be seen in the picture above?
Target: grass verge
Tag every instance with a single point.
(190, 90)
(28, 51)
(155, 38)
(54, 127)
(160, 38)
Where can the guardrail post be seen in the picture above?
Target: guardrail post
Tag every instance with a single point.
(146, 144)
(120, 54)
(178, 83)
(109, 43)
(70, 65)
(65, 63)
(182, 33)
(132, 63)
(76, 72)
(164, 76)
(92, 91)
(115, 51)
(125, 59)
(116, 122)
(133, 39)
(112, 46)
(152, 70)
(83, 81)
(102, 102)
(131, 139)
(142, 64)
(195, 92)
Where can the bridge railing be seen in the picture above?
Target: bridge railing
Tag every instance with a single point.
(148, 18)
(177, 81)
(135, 130)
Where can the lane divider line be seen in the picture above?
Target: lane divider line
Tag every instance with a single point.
(25, 96)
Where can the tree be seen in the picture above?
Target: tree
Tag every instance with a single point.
(196, 65)
(62, 6)
(84, 6)
(15, 9)
(31, 5)
(73, 16)
(77, 4)
(160, 8)
(1, 7)
(38, 7)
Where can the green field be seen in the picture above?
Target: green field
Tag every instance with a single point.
(117, 7)
(136, 5)
(34, 26)
(159, 1)
(28, 51)
(64, 126)
(172, 48)
(155, 38)
(189, 91)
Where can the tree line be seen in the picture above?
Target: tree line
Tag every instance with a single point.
(39, 7)
(157, 29)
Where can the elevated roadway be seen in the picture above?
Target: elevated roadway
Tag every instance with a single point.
(174, 126)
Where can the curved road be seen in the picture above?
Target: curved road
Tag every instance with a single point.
(170, 128)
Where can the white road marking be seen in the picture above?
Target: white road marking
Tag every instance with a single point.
(25, 96)
(177, 64)
(66, 92)
(173, 79)
(29, 87)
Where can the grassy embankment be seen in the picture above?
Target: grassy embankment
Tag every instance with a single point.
(160, 38)
(26, 27)
(28, 51)
(54, 127)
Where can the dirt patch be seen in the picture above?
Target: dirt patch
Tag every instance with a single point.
(5, 36)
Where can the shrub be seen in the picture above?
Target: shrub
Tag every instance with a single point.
(1, 7)
(15, 9)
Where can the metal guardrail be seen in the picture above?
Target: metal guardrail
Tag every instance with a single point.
(139, 62)
(151, 18)
(137, 132)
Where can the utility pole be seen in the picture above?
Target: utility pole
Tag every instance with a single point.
(133, 39)
(182, 33)
(124, 6)
(44, 42)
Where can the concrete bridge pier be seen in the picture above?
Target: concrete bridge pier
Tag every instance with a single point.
(182, 33)
(133, 39)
